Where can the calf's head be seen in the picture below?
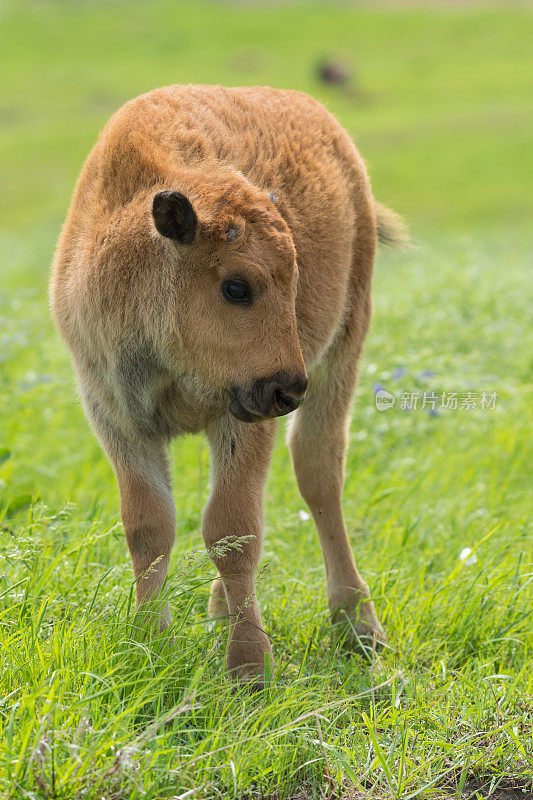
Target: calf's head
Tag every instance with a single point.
(236, 275)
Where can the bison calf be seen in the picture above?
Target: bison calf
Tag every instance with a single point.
(215, 269)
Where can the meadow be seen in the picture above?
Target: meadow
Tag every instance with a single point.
(436, 498)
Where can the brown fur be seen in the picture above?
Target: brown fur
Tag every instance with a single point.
(283, 201)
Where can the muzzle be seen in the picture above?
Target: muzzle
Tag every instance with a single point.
(268, 397)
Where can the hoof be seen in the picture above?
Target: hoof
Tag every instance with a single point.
(359, 630)
(217, 607)
(362, 638)
(153, 618)
(249, 657)
(249, 684)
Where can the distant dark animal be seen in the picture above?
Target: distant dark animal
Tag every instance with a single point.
(334, 72)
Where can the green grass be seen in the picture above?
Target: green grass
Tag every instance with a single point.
(89, 707)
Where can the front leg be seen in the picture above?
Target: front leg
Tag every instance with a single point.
(149, 518)
(233, 533)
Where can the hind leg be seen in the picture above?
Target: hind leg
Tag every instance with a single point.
(218, 608)
(317, 441)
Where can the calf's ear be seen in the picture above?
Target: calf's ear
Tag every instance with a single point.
(174, 217)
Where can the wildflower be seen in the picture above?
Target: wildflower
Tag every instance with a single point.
(304, 516)
(467, 556)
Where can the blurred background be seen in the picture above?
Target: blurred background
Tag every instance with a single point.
(437, 95)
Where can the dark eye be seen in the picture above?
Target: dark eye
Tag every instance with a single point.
(237, 292)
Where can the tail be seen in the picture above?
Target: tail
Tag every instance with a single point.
(392, 230)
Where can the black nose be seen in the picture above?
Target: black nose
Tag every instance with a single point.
(269, 397)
